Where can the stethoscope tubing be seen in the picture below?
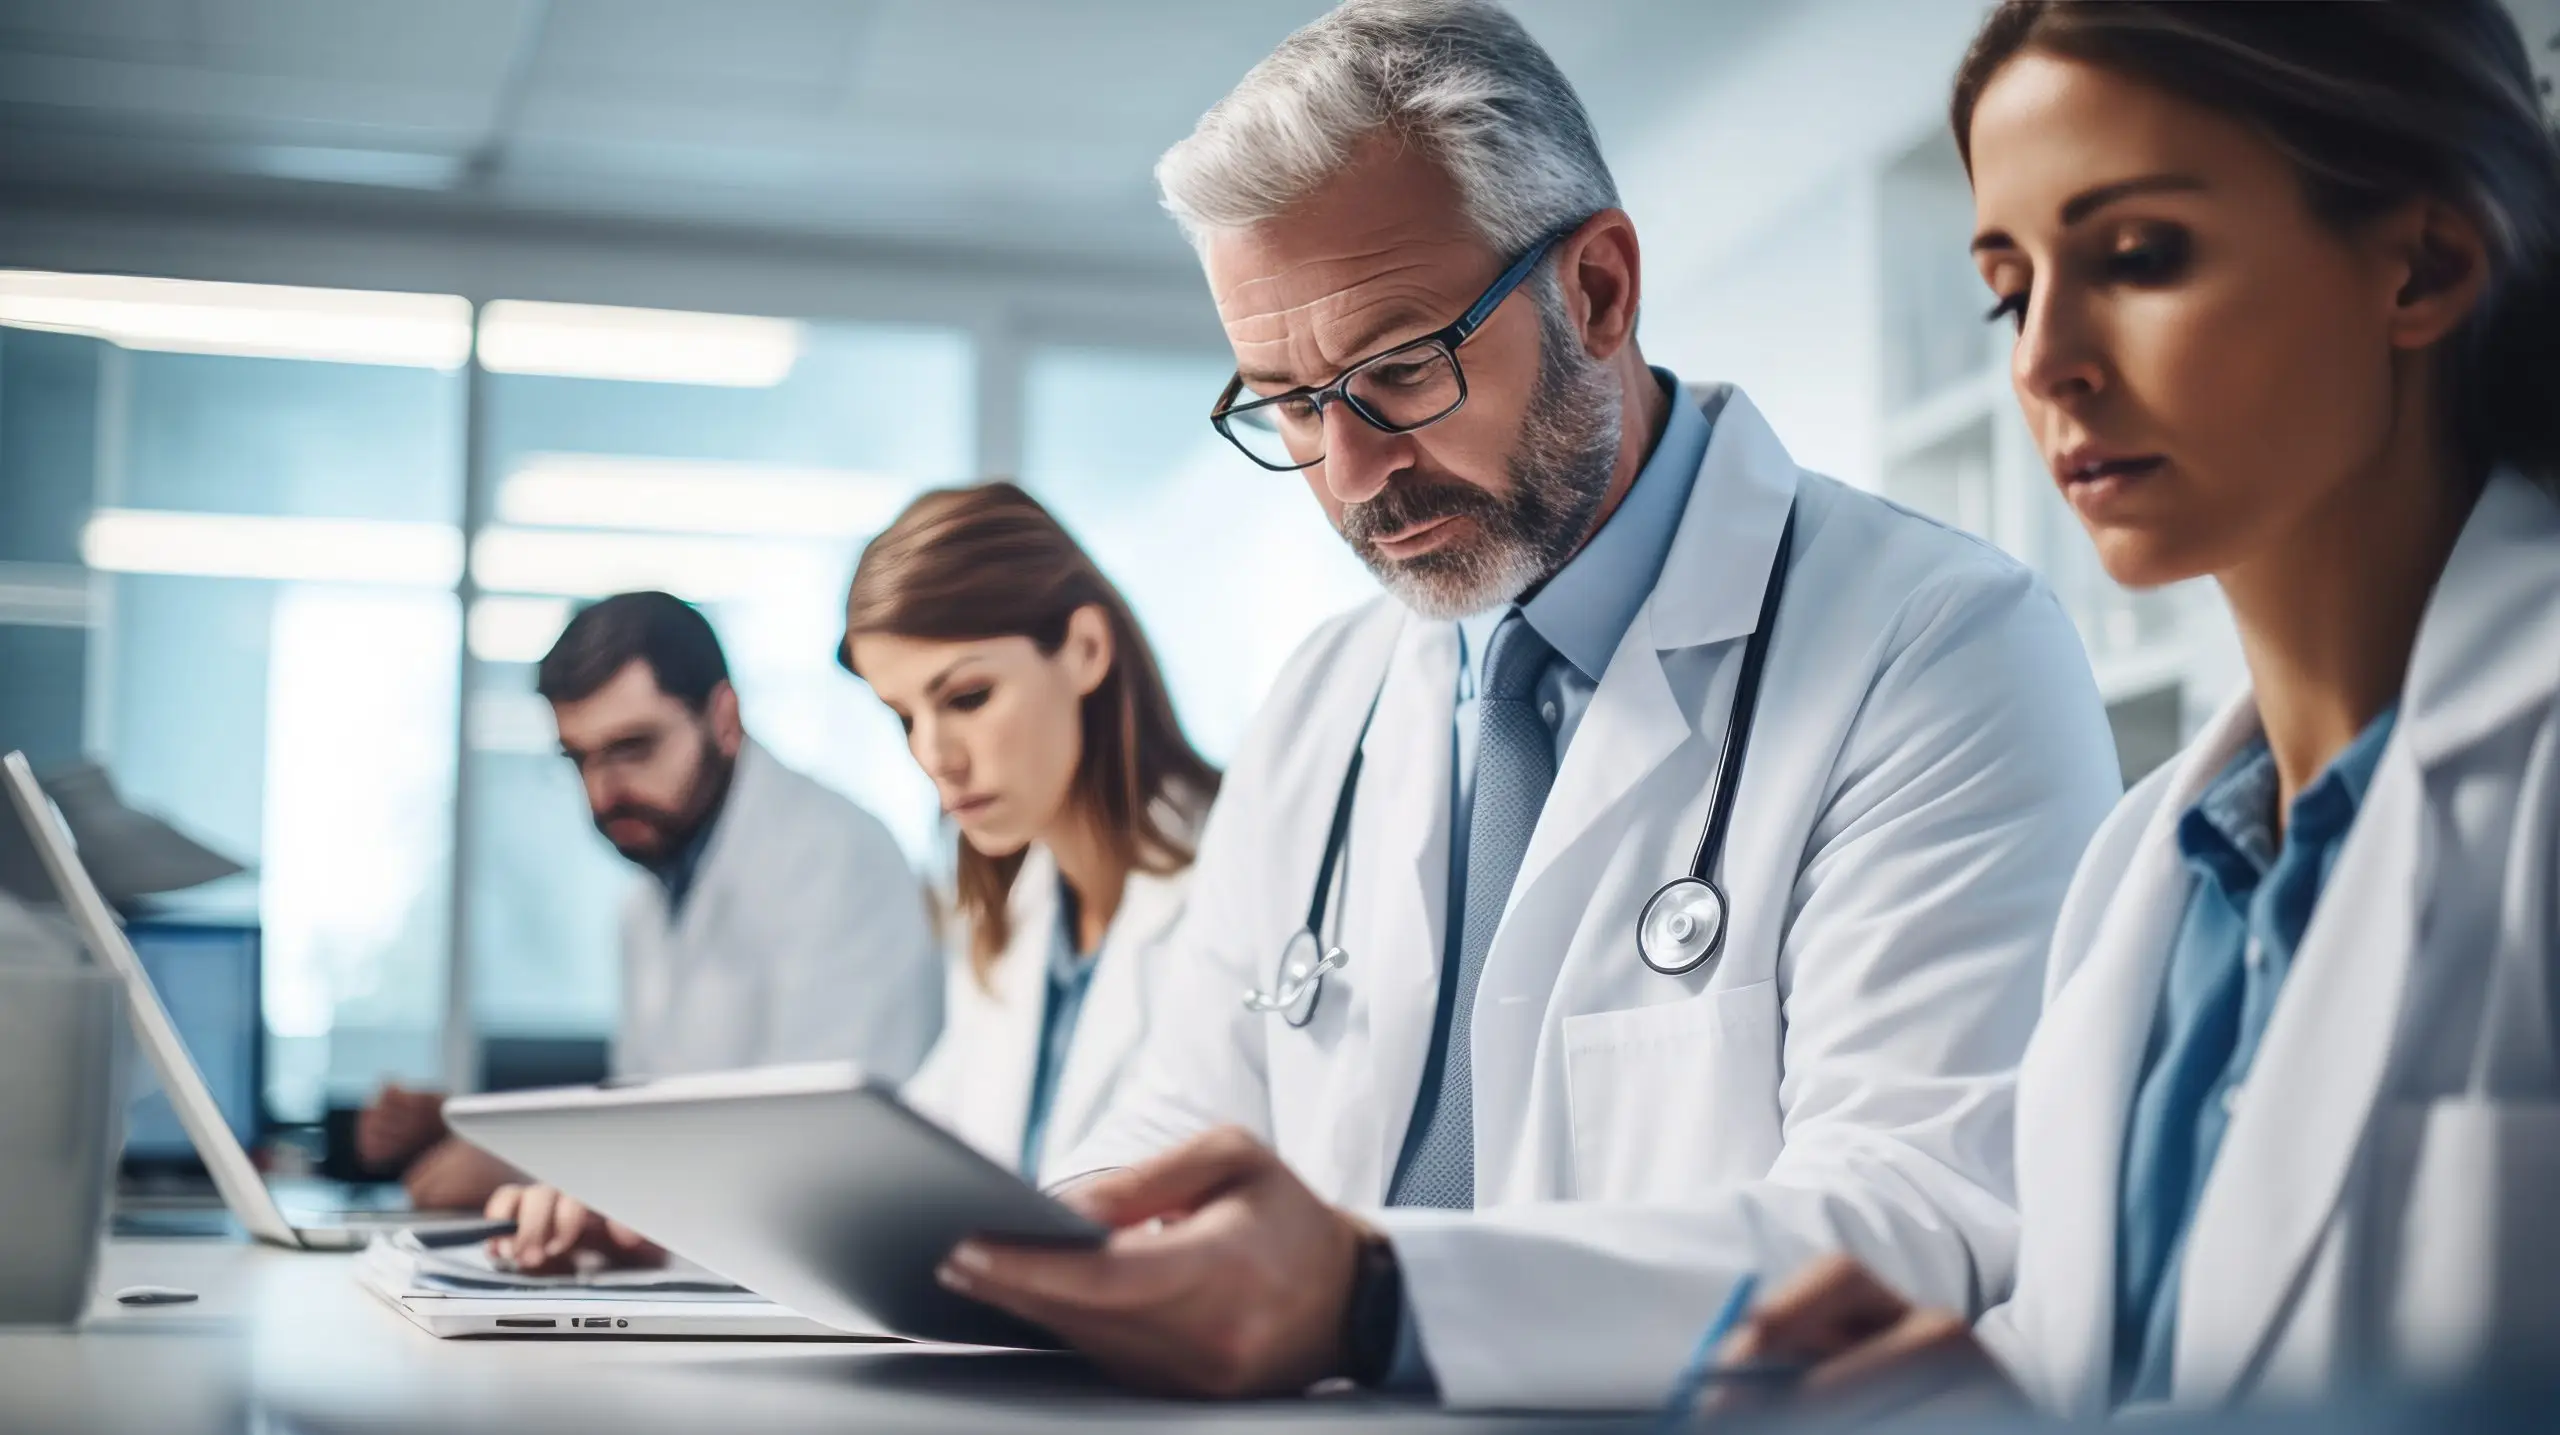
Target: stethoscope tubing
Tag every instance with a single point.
(1295, 997)
(1740, 718)
(1745, 713)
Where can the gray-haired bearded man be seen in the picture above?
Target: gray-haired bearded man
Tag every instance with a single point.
(1495, 1149)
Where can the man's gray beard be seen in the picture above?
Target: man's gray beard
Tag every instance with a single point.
(1559, 477)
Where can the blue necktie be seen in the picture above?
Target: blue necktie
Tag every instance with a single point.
(1515, 765)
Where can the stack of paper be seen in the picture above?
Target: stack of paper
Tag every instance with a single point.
(460, 1292)
(398, 1260)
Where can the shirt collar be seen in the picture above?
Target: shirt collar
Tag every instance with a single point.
(677, 872)
(1585, 609)
(2328, 805)
(1067, 965)
(2230, 830)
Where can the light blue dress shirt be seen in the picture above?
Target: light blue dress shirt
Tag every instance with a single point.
(2250, 899)
(1070, 975)
(1582, 612)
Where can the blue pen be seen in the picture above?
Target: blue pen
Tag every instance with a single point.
(1695, 1374)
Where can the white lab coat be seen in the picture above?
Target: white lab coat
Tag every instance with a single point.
(2386, 1202)
(805, 938)
(1930, 757)
(977, 1081)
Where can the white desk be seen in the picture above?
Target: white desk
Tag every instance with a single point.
(286, 1340)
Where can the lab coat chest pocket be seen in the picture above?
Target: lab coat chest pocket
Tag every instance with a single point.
(2465, 1217)
(1671, 1099)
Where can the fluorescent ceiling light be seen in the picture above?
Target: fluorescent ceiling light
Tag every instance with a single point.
(592, 565)
(574, 490)
(665, 346)
(271, 321)
(515, 630)
(286, 550)
(387, 169)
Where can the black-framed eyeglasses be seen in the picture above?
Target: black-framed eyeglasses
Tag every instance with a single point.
(1414, 385)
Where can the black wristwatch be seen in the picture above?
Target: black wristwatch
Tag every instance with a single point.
(1374, 1315)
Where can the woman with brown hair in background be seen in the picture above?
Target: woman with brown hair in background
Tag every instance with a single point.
(1032, 700)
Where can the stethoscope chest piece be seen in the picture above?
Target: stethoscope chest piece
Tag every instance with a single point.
(1683, 926)
(1300, 983)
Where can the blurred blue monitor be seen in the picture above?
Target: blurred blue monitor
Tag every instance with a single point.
(208, 978)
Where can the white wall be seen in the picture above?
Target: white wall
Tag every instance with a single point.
(1758, 215)
(1790, 316)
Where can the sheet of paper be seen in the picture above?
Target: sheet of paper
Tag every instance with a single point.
(468, 1270)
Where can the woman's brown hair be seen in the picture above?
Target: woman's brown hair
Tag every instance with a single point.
(988, 561)
(2375, 102)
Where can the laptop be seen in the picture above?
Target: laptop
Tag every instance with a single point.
(210, 979)
(198, 1114)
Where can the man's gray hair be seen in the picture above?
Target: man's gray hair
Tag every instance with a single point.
(1460, 79)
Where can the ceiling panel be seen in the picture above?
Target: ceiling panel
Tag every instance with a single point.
(751, 56)
(154, 28)
(1020, 125)
(187, 102)
(459, 44)
(1146, 63)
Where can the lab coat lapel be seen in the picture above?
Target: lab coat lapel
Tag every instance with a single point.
(2302, 1115)
(731, 850)
(1633, 725)
(674, 967)
(2075, 1094)
(2479, 664)
(2285, 1162)
(1709, 591)
(1399, 886)
(999, 1078)
(1114, 1014)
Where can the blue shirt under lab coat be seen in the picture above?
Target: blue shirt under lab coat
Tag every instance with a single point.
(2251, 896)
(1070, 975)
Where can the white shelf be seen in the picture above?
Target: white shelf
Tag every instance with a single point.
(1944, 414)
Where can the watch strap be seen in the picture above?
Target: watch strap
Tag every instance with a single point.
(1374, 1314)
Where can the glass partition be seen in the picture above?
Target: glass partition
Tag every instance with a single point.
(243, 503)
(233, 536)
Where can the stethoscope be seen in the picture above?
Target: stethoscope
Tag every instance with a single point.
(1684, 923)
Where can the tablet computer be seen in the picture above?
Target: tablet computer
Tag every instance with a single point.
(812, 1186)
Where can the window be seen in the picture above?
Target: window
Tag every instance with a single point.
(264, 485)
(234, 536)
(306, 727)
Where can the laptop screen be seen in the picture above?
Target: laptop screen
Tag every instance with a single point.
(207, 976)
